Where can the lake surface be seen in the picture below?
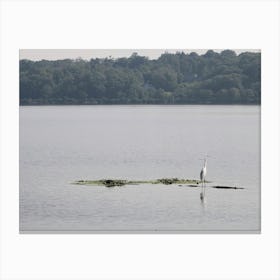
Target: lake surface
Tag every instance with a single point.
(62, 144)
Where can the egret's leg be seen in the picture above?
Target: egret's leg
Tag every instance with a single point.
(201, 194)
(204, 187)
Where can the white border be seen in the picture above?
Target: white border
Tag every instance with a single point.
(158, 24)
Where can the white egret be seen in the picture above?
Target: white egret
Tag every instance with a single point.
(202, 179)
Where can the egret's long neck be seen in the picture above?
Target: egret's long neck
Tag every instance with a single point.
(205, 163)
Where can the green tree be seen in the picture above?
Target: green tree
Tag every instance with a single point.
(180, 78)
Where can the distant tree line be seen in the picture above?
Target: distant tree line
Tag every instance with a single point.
(211, 78)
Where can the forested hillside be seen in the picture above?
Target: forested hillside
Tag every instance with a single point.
(212, 78)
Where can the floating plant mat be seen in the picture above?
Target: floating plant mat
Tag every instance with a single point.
(114, 183)
(228, 188)
(166, 181)
(215, 187)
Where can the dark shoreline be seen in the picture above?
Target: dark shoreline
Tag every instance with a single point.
(123, 104)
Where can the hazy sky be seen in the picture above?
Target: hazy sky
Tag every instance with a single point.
(55, 54)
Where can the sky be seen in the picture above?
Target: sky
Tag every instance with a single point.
(87, 54)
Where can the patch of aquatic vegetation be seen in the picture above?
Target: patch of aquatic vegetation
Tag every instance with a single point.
(228, 188)
(118, 183)
(169, 181)
(105, 182)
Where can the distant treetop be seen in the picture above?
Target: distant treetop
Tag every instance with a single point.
(211, 78)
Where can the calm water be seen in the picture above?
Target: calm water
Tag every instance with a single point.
(61, 144)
